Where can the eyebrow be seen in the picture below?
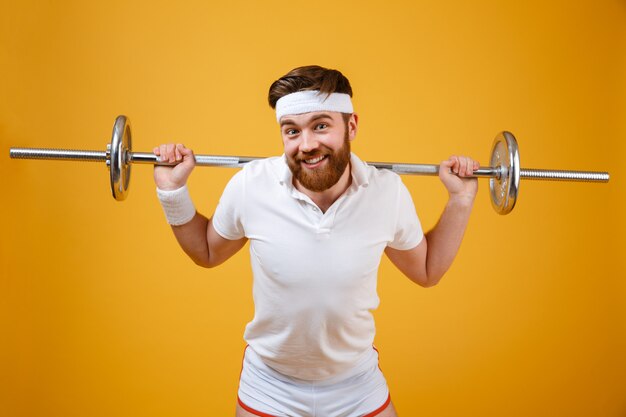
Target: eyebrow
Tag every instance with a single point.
(319, 116)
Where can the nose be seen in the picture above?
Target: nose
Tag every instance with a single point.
(309, 142)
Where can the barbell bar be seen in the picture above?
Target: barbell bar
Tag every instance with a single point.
(504, 172)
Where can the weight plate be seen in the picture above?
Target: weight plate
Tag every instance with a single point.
(119, 158)
(505, 157)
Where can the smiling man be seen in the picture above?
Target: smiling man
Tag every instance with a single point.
(315, 177)
(318, 220)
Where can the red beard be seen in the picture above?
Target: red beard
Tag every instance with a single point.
(322, 178)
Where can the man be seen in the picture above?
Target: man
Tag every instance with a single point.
(318, 220)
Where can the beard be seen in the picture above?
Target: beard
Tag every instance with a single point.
(322, 178)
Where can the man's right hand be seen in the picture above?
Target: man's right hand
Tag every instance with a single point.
(173, 177)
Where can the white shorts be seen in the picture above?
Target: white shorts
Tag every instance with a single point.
(362, 392)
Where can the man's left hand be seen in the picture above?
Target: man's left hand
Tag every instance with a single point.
(455, 172)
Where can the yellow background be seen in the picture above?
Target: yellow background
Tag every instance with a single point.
(103, 315)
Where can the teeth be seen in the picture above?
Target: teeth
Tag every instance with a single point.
(314, 160)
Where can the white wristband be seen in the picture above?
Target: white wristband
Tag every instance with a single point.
(177, 205)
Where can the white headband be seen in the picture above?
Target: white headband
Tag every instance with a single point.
(311, 100)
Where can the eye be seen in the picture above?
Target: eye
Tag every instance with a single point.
(321, 126)
(291, 132)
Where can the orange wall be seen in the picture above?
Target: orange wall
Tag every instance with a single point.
(102, 315)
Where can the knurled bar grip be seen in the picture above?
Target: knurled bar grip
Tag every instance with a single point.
(556, 175)
(238, 162)
(58, 154)
(432, 169)
(201, 160)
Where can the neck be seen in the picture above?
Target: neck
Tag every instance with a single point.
(325, 199)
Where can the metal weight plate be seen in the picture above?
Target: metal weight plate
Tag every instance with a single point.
(505, 156)
(118, 158)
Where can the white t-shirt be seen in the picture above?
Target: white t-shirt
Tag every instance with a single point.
(315, 273)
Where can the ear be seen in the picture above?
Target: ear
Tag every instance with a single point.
(353, 126)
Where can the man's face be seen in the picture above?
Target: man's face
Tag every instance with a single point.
(317, 147)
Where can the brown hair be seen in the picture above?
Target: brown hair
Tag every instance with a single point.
(311, 77)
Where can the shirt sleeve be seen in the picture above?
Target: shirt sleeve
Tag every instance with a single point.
(228, 218)
(408, 232)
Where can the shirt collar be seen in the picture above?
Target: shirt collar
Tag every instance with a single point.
(359, 171)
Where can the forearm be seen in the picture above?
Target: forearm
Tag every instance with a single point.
(189, 226)
(201, 242)
(192, 238)
(444, 240)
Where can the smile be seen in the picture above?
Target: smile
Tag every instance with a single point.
(314, 161)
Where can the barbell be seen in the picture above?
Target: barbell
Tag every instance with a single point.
(504, 172)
